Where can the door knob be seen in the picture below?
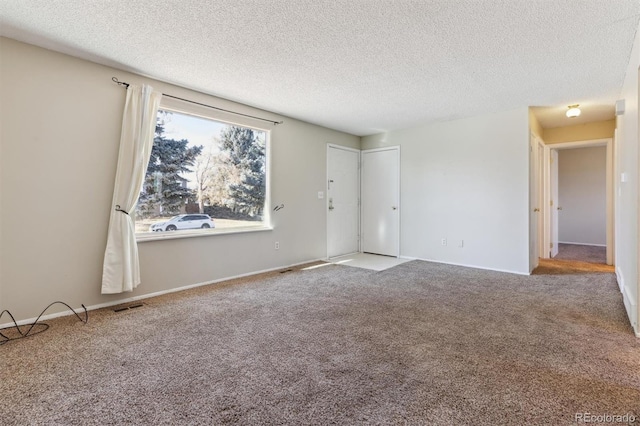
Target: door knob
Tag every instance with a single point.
(559, 208)
(394, 208)
(536, 209)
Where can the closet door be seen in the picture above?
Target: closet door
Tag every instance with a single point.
(381, 201)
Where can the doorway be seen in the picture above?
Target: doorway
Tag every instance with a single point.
(567, 227)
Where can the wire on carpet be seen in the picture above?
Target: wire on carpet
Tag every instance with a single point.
(32, 326)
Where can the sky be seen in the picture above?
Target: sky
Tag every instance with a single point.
(198, 131)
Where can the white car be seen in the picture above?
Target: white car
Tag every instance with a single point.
(184, 221)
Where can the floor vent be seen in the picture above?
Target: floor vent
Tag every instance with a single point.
(126, 308)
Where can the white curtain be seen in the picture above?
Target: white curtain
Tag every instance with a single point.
(121, 270)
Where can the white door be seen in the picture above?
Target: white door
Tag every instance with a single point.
(534, 207)
(554, 202)
(540, 181)
(381, 201)
(343, 193)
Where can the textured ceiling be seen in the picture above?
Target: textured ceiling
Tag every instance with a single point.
(361, 66)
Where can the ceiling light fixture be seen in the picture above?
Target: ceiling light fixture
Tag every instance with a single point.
(573, 111)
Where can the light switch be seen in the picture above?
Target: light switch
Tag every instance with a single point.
(320, 195)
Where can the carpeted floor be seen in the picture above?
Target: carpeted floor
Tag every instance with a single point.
(582, 253)
(563, 267)
(417, 344)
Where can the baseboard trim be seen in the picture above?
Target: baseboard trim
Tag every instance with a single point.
(620, 279)
(466, 265)
(632, 309)
(582, 244)
(154, 294)
(630, 305)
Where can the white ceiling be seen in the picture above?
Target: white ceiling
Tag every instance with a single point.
(361, 66)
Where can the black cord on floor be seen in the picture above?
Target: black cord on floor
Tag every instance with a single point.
(31, 331)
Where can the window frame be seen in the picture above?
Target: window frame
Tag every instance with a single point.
(182, 107)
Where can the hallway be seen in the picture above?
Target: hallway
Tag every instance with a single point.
(583, 253)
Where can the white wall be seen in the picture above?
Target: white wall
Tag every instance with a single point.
(627, 161)
(465, 180)
(60, 135)
(2, 114)
(582, 194)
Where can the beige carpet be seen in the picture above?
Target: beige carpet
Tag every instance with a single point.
(582, 253)
(417, 344)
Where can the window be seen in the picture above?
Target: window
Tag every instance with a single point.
(203, 175)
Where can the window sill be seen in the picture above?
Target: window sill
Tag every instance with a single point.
(196, 233)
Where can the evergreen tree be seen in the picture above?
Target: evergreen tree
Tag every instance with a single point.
(164, 190)
(246, 153)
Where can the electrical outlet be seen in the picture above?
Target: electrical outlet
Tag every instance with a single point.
(277, 246)
(443, 242)
(320, 195)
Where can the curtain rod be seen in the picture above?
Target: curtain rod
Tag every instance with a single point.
(275, 123)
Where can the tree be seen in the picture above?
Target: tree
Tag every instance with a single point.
(245, 152)
(164, 189)
(204, 164)
(221, 176)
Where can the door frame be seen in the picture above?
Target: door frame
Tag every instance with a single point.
(610, 193)
(534, 206)
(536, 199)
(326, 205)
(552, 215)
(539, 146)
(399, 199)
